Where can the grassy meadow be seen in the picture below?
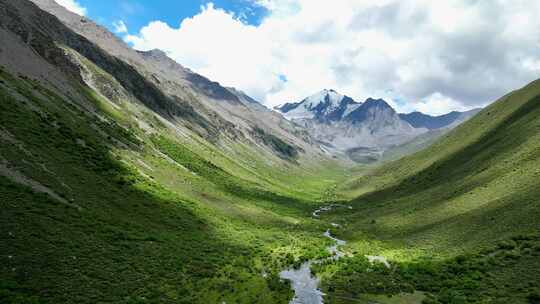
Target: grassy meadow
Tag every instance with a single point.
(458, 220)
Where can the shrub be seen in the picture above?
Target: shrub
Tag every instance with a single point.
(534, 297)
(430, 300)
(507, 245)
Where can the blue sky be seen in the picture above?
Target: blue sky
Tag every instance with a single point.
(138, 13)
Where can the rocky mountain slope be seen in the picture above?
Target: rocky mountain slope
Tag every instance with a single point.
(367, 131)
(217, 105)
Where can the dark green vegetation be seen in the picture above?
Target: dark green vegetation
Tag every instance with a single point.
(190, 232)
(443, 216)
(503, 274)
(283, 148)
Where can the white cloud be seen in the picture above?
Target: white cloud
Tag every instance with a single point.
(120, 27)
(73, 6)
(433, 56)
(438, 104)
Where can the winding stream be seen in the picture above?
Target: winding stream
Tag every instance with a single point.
(305, 285)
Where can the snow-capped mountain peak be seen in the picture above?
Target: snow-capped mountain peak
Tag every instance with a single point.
(362, 131)
(328, 97)
(324, 105)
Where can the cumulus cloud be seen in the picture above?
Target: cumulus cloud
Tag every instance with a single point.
(430, 56)
(438, 104)
(73, 6)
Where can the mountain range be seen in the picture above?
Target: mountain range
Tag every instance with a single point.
(365, 131)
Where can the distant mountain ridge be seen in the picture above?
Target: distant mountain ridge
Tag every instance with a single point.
(363, 131)
(421, 120)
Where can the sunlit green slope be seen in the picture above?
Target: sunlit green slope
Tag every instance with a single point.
(476, 187)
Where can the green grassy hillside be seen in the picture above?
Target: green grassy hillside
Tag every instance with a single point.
(95, 209)
(114, 189)
(460, 218)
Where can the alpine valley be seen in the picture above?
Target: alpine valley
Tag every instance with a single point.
(126, 177)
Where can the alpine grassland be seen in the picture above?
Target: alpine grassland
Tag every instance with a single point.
(97, 210)
(458, 221)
